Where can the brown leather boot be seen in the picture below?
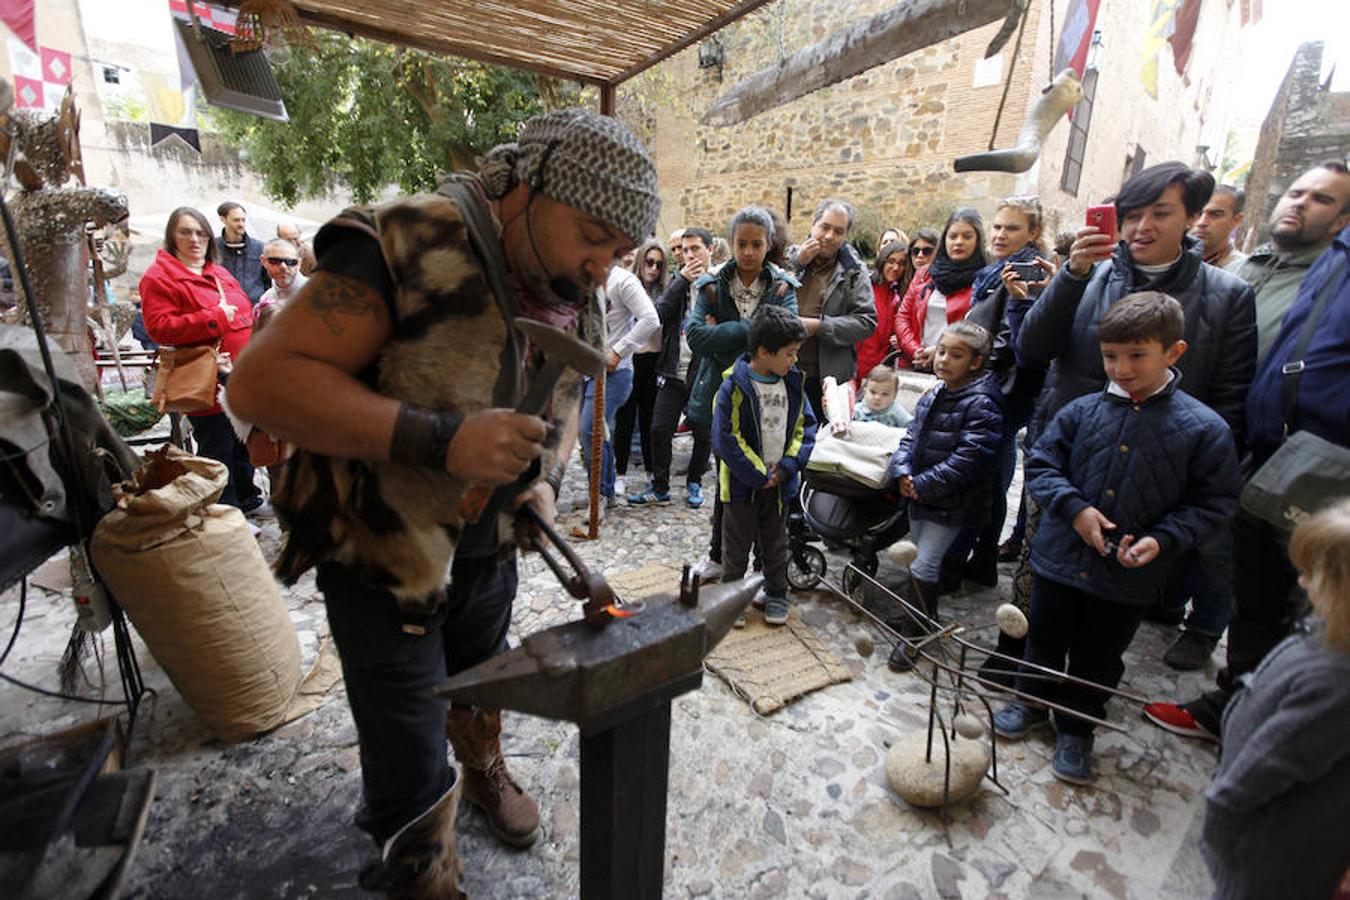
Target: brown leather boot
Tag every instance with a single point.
(476, 736)
(419, 861)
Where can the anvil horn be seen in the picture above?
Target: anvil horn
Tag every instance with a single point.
(575, 672)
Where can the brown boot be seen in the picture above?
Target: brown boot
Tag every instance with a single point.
(476, 736)
(419, 861)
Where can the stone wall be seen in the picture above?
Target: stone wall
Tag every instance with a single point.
(1306, 125)
(885, 140)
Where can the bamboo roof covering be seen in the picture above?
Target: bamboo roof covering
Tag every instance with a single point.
(591, 41)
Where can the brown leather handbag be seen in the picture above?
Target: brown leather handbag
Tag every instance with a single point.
(185, 378)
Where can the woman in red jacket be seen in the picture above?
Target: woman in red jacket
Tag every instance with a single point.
(889, 283)
(188, 300)
(932, 303)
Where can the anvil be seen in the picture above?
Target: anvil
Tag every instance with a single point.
(617, 684)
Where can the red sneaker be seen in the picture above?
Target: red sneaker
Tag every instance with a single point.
(684, 427)
(1174, 718)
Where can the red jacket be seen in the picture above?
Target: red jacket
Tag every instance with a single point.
(875, 347)
(182, 308)
(914, 309)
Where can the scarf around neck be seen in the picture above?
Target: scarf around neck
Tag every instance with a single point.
(951, 276)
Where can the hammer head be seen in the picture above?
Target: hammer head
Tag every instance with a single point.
(560, 347)
(575, 673)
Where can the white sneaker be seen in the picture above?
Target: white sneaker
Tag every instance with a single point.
(620, 487)
(708, 570)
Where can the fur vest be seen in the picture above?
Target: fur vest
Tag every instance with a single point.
(452, 349)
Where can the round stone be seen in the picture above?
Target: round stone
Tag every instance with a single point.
(969, 727)
(863, 643)
(1011, 620)
(919, 782)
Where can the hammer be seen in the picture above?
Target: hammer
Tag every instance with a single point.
(561, 351)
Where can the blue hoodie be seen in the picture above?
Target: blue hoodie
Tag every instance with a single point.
(737, 441)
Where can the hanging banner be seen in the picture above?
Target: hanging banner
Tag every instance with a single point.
(1162, 22)
(18, 15)
(1075, 38)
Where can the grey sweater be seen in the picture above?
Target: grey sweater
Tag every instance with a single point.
(1277, 823)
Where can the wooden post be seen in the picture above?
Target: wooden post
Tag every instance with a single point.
(597, 445)
(608, 96)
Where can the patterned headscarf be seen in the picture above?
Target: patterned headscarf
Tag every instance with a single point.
(584, 160)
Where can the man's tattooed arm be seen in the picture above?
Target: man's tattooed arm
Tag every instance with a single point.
(331, 297)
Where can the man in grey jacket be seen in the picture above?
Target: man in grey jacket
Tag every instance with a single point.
(834, 301)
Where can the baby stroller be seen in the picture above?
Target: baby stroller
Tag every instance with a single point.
(841, 511)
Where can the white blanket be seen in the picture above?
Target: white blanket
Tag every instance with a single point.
(863, 454)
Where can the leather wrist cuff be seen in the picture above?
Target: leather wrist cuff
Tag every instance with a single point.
(422, 437)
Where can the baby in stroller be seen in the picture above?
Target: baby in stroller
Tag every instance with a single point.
(844, 497)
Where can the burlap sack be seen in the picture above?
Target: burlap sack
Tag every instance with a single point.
(190, 576)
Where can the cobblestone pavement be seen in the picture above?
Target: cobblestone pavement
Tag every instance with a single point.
(791, 805)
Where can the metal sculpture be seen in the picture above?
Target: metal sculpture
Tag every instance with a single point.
(43, 152)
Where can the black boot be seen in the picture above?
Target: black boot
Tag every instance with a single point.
(982, 567)
(923, 595)
(1001, 671)
(949, 574)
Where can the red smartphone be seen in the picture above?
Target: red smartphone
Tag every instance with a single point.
(1104, 219)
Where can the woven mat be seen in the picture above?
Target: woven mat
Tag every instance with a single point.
(769, 667)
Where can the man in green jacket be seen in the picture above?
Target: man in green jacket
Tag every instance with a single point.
(1311, 212)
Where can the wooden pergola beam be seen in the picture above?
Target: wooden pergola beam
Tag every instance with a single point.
(706, 31)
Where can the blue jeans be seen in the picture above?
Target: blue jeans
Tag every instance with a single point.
(618, 385)
(932, 539)
(216, 440)
(391, 676)
(1204, 575)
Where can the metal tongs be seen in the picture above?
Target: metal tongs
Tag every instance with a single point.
(602, 606)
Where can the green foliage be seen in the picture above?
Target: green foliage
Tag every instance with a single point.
(125, 107)
(365, 115)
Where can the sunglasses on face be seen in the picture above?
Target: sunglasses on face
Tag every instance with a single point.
(282, 261)
(921, 251)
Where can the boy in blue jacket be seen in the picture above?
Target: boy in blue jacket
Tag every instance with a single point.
(762, 434)
(1128, 479)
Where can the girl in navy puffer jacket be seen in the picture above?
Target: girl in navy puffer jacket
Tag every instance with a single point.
(945, 463)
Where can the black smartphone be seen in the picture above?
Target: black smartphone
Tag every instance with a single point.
(1028, 271)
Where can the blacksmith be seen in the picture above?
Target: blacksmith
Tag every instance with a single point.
(396, 371)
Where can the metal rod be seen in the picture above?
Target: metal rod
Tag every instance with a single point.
(955, 636)
(977, 678)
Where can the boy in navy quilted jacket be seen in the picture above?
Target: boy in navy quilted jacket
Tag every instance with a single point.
(762, 435)
(1128, 479)
(945, 465)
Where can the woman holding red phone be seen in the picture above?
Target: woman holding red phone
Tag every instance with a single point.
(1155, 210)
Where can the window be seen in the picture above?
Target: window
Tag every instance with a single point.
(1078, 132)
(1140, 156)
(111, 75)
